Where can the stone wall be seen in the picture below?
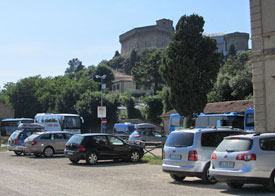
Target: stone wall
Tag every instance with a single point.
(138, 39)
(5, 111)
(263, 59)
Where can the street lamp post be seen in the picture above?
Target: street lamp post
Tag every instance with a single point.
(101, 102)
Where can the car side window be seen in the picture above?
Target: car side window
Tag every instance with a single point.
(45, 137)
(267, 144)
(100, 140)
(115, 141)
(58, 136)
(147, 133)
(156, 134)
(67, 135)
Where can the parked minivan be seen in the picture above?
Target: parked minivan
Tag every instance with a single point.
(187, 152)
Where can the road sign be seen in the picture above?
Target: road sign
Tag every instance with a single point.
(101, 111)
(104, 121)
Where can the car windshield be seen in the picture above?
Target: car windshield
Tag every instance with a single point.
(235, 145)
(180, 139)
(75, 139)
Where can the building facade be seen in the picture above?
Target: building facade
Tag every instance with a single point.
(262, 13)
(123, 83)
(140, 38)
(224, 41)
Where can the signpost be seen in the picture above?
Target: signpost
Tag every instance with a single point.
(101, 113)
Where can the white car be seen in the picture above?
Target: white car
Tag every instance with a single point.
(245, 159)
(188, 152)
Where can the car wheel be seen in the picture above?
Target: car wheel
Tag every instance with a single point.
(206, 178)
(37, 155)
(92, 158)
(177, 178)
(235, 185)
(134, 156)
(18, 152)
(74, 161)
(271, 184)
(48, 152)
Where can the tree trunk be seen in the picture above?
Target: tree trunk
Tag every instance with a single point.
(188, 121)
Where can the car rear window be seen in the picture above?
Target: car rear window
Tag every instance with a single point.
(180, 139)
(235, 145)
(75, 139)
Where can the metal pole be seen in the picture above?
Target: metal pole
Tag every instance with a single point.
(101, 105)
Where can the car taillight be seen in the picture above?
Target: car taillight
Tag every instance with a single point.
(214, 156)
(192, 155)
(246, 157)
(138, 136)
(81, 148)
(34, 143)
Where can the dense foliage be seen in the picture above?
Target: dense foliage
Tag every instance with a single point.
(190, 67)
(234, 81)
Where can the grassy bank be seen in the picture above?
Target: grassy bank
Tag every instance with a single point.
(152, 160)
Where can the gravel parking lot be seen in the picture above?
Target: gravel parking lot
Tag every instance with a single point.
(27, 175)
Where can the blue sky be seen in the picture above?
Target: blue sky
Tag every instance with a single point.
(39, 37)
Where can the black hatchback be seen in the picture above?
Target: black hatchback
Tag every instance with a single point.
(97, 146)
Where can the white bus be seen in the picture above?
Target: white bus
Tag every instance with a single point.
(60, 122)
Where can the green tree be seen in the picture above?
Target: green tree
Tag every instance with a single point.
(190, 67)
(165, 96)
(103, 69)
(153, 109)
(146, 72)
(234, 80)
(22, 97)
(75, 65)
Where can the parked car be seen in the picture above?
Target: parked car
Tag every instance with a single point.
(16, 140)
(146, 132)
(244, 159)
(123, 130)
(47, 143)
(187, 152)
(96, 146)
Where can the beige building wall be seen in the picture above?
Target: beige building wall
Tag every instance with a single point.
(263, 59)
(5, 111)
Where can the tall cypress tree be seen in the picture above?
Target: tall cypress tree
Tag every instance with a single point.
(190, 67)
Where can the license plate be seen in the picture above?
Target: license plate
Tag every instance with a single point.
(70, 153)
(227, 164)
(175, 156)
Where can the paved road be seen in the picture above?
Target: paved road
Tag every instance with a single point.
(30, 176)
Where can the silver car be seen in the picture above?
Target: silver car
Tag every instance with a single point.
(146, 132)
(245, 159)
(187, 152)
(46, 143)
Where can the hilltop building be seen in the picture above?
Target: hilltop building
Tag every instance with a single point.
(159, 35)
(140, 38)
(224, 41)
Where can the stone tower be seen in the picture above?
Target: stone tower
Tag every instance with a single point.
(140, 38)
